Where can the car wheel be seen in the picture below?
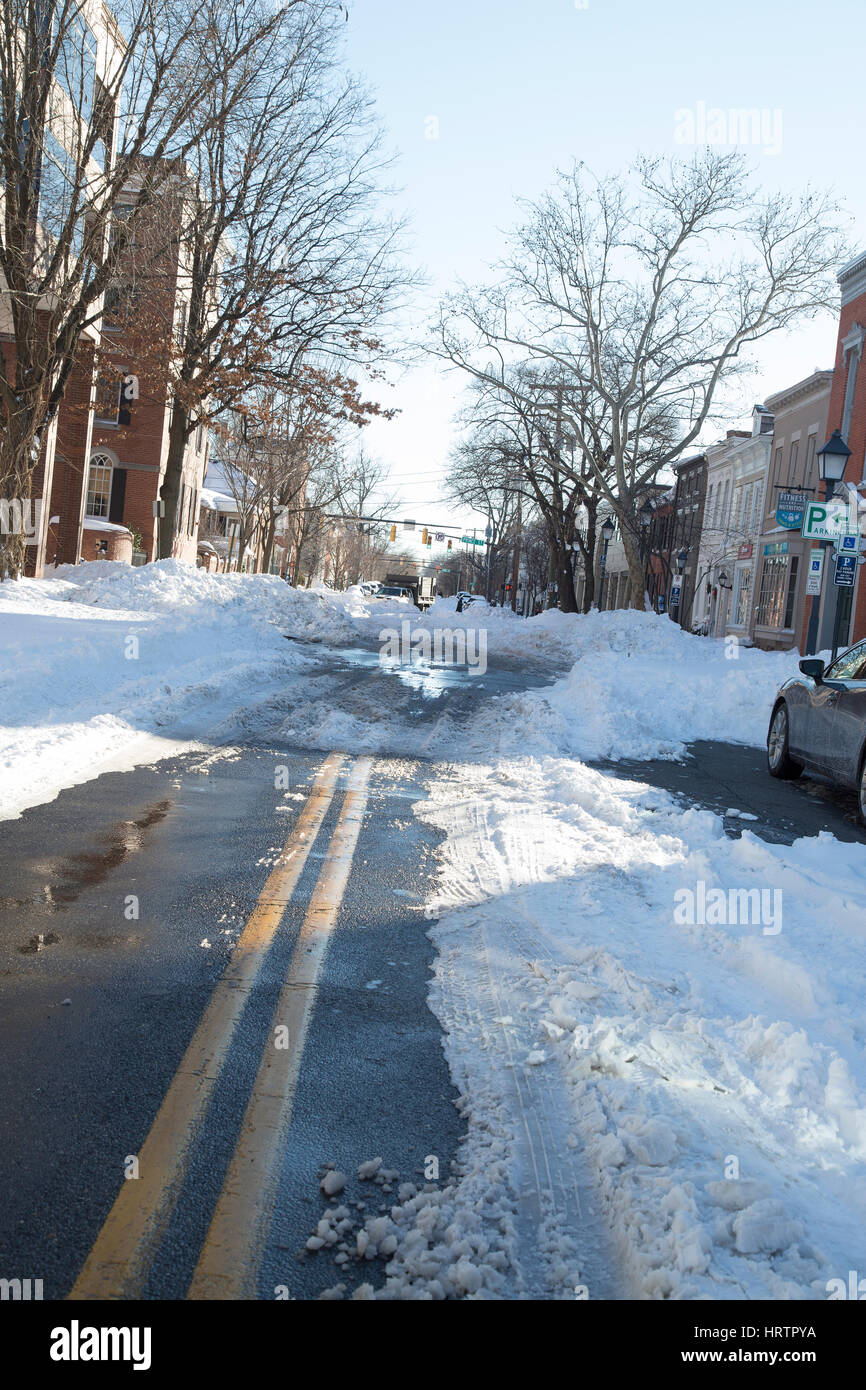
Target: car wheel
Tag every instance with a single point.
(861, 794)
(779, 761)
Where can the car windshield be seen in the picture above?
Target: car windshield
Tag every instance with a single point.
(849, 667)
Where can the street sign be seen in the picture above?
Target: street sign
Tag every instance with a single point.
(408, 526)
(789, 510)
(849, 543)
(661, 603)
(824, 521)
(470, 540)
(846, 568)
(815, 576)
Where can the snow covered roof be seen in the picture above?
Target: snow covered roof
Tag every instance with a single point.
(217, 501)
(96, 523)
(217, 495)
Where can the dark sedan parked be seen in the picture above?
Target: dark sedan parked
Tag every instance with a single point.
(819, 722)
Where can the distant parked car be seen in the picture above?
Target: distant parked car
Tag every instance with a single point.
(464, 600)
(370, 587)
(819, 722)
(393, 591)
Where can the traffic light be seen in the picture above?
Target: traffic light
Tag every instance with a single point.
(424, 536)
(429, 542)
(449, 545)
(393, 536)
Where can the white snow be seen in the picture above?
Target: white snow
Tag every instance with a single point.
(104, 666)
(660, 1104)
(706, 1082)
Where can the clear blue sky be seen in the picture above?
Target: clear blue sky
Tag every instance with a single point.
(519, 88)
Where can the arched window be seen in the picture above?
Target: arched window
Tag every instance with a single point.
(98, 485)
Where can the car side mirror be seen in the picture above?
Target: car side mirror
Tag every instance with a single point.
(814, 667)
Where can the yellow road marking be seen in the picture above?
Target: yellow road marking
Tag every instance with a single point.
(118, 1263)
(228, 1262)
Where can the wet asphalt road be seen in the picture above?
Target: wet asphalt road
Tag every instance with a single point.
(729, 777)
(119, 907)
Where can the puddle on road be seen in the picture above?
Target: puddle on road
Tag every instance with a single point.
(431, 679)
(75, 872)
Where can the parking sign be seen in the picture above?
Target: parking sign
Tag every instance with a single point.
(816, 572)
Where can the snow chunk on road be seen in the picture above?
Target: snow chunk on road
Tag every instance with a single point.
(333, 1182)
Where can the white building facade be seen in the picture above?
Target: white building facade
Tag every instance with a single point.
(737, 473)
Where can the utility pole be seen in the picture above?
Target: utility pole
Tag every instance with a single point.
(515, 568)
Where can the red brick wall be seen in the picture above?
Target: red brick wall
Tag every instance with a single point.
(852, 312)
(69, 449)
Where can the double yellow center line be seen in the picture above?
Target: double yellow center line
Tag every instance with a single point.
(119, 1262)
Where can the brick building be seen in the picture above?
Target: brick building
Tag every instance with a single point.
(846, 412)
(133, 405)
(92, 50)
(799, 430)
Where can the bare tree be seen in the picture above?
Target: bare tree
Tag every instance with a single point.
(361, 498)
(286, 254)
(641, 294)
(520, 448)
(77, 118)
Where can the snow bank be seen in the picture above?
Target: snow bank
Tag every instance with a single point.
(641, 687)
(104, 666)
(706, 1079)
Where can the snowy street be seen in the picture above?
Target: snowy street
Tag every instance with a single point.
(331, 974)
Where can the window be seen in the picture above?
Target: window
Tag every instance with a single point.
(756, 507)
(108, 387)
(75, 70)
(810, 459)
(792, 461)
(742, 590)
(853, 363)
(849, 666)
(57, 191)
(771, 600)
(120, 216)
(98, 486)
(792, 591)
(103, 124)
(725, 510)
(777, 465)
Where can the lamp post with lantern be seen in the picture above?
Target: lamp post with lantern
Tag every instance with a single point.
(608, 526)
(832, 462)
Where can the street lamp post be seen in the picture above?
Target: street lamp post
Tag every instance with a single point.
(608, 527)
(644, 516)
(682, 556)
(832, 462)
